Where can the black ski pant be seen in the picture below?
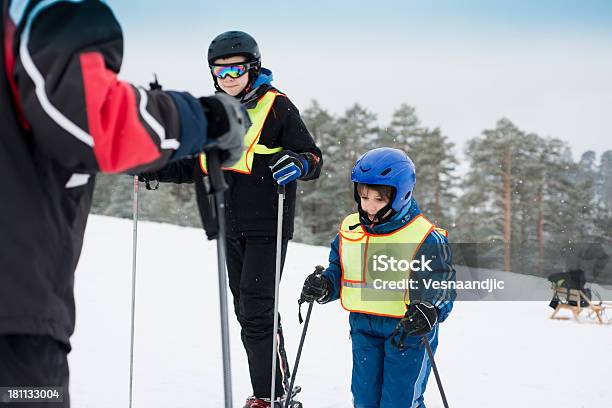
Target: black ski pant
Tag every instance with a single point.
(33, 361)
(251, 265)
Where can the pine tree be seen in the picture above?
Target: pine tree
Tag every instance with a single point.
(582, 200)
(433, 158)
(323, 203)
(435, 165)
(491, 184)
(402, 131)
(357, 132)
(526, 185)
(316, 211)
(549, 176)
(604, 200)
(604, 182)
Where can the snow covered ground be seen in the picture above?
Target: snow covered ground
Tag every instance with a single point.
(491, 354)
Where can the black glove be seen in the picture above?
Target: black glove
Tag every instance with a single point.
(287, 166)
(155, 85)
(147, 178)
(419, 319)
(316, 287)
(228, 122)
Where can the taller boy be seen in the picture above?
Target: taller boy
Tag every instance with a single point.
(278, 150)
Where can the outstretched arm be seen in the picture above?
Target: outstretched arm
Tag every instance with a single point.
(63, 59)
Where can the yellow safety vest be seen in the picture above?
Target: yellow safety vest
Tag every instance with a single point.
(258, 116)
(360, 249)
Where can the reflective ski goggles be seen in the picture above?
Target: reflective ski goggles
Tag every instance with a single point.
(233, 70)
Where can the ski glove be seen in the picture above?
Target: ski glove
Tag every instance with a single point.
(316, 287)
(288, 166)
(419, 319)
(228, 122)
(147, 178)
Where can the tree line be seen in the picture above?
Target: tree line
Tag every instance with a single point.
(524, 204)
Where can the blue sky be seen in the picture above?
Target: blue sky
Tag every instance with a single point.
(596, 14)
(546, 65)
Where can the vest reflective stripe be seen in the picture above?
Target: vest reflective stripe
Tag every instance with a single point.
(357, 293)
(263, 149)
(347, 284)
(258, 116)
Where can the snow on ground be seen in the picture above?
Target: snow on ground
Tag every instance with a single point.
(491, 354)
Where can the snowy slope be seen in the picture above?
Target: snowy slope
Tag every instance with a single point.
(492, 354)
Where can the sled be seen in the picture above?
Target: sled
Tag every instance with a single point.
(571, 294)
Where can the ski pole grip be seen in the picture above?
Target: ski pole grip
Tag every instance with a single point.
(281, 189)
(217, 181)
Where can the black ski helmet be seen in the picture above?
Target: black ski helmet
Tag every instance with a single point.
(232, 43)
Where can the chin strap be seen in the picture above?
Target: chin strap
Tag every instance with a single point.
(380, 215)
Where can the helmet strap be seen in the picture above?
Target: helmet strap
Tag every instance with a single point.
(381, 218)
(253, 74)
(217, 87)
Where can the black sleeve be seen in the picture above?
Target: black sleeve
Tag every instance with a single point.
(180, 171)
(296, 137)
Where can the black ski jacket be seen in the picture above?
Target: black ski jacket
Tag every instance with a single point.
(65, 116)
(251, 199)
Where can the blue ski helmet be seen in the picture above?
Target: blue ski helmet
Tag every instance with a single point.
(389, 167)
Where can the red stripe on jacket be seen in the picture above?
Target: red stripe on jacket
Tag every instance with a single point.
(121, 141)
(9, 64)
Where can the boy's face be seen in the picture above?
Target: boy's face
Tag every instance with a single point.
(372, 202)
(229, 85)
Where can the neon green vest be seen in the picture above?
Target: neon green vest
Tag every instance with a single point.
(361, 289)
(258, 116)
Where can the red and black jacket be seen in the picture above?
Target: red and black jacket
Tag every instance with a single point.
(65, 116)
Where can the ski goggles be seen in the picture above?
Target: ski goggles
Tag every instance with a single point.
(233, 70)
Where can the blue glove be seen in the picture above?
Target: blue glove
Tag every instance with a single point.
(288, 166)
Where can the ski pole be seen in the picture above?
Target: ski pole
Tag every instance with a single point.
(435, 370)
(132, 316)
(153, 86)
(299, 353)
(217, 187)
(279, 241)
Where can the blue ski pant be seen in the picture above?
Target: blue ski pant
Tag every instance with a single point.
(383, 376)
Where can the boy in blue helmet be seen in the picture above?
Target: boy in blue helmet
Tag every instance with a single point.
(387, 320)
